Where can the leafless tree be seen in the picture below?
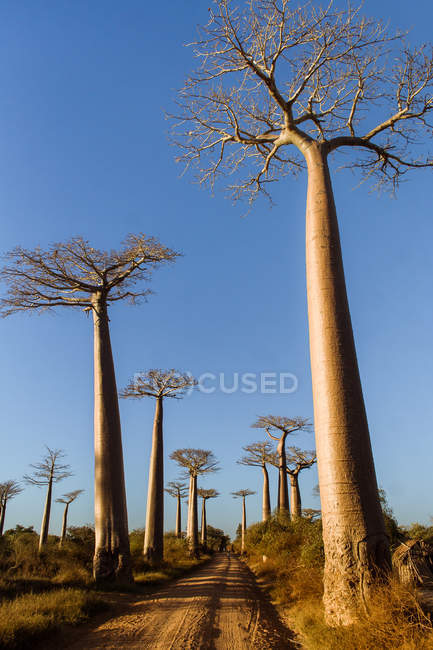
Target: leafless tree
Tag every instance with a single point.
(278, 89)
(283, 427)
(49, 471)
(259, 454)
(8, 490)
(242, 494)
(194, 462)
(178, 491)
(74, 274)
(297, 460)
(159, 384)
(205, 495)
(67, 499)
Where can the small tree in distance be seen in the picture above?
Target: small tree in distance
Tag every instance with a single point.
(259, 454)
(297, 460)
(278, 89)
(194, 462)
(49, 471)
(67, 499)
(178, 491)
(159, 384)
(243, 494)
(8, 490)
(205, 495)
(75, 274)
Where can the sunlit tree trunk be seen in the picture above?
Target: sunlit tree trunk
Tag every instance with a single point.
(243, 526)
(2, 517)
(283, 490)
(154, 531)
(193, 537)
(64, 525)
(295, 496)
(46, 516)
(188, 521)
(112, 559)
(179, 517)
(353, 528)
(266, 507)
(203, 524)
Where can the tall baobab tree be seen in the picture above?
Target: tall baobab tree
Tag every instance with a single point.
(159, 384)
(283, 426)
(74, 274)
(8, 490)
(195, 462)
(67, 499)
(205, 495)
(278, 89)
(259, 454)
(178, 491)
(49, 471)
(242, 494)
(297, 460)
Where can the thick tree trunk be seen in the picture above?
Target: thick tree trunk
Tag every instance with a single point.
(188, 519)
(112, 560)
(266, 508)
(203, 524)
(295, 496)
(193, 524)
(179, 518)
(244, 525)
(46, 517)
(356, 545)
(2, 518)
(283, 490)
(154, 531)
(64, 525)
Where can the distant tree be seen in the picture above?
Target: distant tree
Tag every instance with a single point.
(159, 384)
(74, 274)
(258, 454)
(67, 499)
(297, 460)
(177, 490)
(194, 462)
(279, 88)
(395, 534)
(311, 513)
(8, 490)
(243, 494)
(49, 471)
(283, 426)
(217, 540)
(205, 495)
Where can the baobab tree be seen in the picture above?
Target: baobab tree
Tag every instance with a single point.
(297, 460)
(195, 462)
(159, 384)
(49, 471)
(205, 495)
(8, 490)
(278, 89)
(283, 426)
(178, 491)
(74, 274)
(67, 499)
(243, 494)
(259, 454)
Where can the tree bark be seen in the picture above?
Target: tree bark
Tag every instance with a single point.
(193, 539)
(266, 508)
(154, 531)
(112, 560)
(203, 524)
(188, 520)
(356, 545)
(244, 525)
(64, 525)
(2, 518)
(283, 490)
(178, 518)
(295, 496)
(46, 516)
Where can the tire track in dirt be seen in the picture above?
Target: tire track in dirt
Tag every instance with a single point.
(219, 607)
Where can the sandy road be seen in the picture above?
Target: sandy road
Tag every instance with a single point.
(218, 607)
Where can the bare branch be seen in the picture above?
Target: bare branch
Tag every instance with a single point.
(159, 383)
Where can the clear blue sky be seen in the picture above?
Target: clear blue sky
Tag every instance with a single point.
(84, 151)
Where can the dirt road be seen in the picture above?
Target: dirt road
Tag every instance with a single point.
(218, 607)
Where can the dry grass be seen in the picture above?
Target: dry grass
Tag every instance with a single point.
(28, 618)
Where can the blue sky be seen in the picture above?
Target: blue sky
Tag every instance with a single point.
(84, 151)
